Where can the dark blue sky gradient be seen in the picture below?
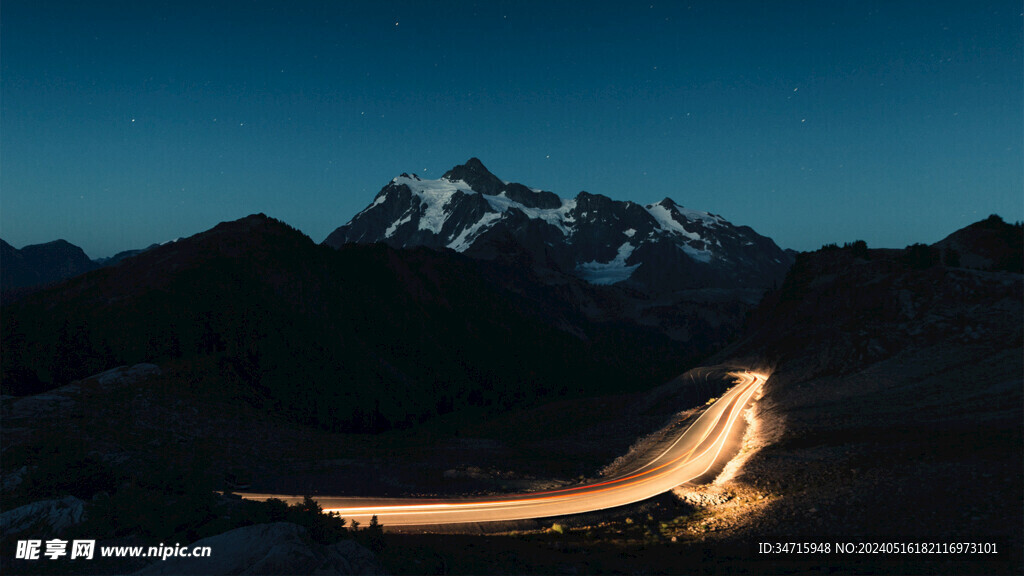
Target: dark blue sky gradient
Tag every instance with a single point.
(127, 123)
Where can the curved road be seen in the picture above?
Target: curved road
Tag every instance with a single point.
(692, 454)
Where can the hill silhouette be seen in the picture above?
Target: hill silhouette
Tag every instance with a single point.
(363, 338)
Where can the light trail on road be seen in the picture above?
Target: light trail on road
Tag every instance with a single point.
(690, 456)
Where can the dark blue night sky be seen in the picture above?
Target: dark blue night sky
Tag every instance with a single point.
(128, 123)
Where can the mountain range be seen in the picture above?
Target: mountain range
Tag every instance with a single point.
(681, 274)
(657, 249)
(441, 295)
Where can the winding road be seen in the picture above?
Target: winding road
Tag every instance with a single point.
(690, 456)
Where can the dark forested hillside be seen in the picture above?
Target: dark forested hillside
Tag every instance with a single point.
(361, 338)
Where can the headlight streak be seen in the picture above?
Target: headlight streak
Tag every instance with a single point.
(719, 419)
(586, 490)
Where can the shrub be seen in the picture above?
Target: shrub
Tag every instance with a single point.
(323, 528)
(858, 248)
(373, 536)
(920, 256)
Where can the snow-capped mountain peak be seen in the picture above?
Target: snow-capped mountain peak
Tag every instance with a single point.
(592, 236)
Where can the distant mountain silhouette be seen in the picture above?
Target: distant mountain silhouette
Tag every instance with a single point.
(40, 264)
(36, 266)
(111, 260)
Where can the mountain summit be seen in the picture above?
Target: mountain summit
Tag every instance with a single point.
(659, 247)
(477, 176)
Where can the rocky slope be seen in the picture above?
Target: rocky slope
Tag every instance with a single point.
(893, 413)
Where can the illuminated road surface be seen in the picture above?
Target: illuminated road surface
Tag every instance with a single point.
(689, 457)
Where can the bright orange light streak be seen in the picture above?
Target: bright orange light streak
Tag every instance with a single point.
(748, 382)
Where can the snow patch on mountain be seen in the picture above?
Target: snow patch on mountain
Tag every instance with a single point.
(434, 196)
(465, 239)
(697, 254)
(558, 217)
(605, 273)
(395, 225)
(381, 198)
(667, 223)
(707, 218)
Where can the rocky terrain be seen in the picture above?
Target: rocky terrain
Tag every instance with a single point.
(894, 410)
(893, 415)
